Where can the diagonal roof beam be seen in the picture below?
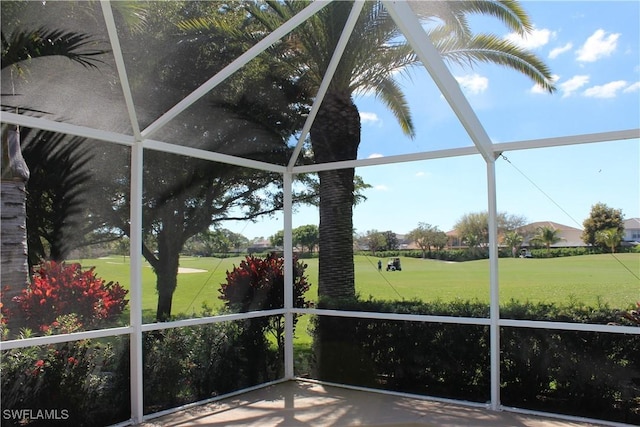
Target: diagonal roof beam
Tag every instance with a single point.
(66, 128)
(410, 26)
(238, 63)
(328, 75)
(211, 156)
(122, 72)
(558, 141)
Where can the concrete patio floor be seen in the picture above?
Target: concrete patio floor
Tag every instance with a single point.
(299, 403)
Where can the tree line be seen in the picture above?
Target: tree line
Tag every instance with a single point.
(604, 227)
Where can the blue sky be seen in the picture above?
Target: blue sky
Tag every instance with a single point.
(593, 50)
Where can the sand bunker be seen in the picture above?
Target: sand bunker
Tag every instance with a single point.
(184, 270)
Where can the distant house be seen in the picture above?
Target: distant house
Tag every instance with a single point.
(453, 240)
(405, 243)
(631, 230)
(260, 246)
(571, 236)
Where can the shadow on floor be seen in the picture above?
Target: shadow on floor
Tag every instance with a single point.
(299, 403)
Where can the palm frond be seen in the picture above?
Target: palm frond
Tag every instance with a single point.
(212, 24)
(375, 20)
(28, 44)
(509, 12)
(375, 49)
(57, 191)
(133, 13)
(492, 49)
(442, 13)
(308, 44)
(391, 94)
(374, 66)
(453, 13)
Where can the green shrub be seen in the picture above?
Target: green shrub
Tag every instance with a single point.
(165, 366)
(183, 365)
(216, 360)
(74, 380)
(258, 284)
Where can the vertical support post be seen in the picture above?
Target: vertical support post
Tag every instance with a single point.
(135, 302)
(288, 274)
(494, 286)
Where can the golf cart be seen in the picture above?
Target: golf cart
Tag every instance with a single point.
(394, 264)
(524, 253)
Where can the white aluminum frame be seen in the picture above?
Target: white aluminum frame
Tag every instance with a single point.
(141, 140)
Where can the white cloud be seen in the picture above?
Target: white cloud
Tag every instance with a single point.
(532, 40)
(573, 84)
(560, 50)
(598, 45)
(539, 89)
(608, 90)
(473, 83)
(632, 88)
(375, 155)
(423, 174)
(381, 187)
(367, 117)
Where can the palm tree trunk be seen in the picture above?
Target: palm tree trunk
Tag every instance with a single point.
(335, 260)
(14, 237)
(335, 136)
(14, 276)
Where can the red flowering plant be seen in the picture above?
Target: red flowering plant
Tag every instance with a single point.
(58, 289)
(258, 284)
(61, 299)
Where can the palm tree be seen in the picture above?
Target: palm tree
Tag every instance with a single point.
(547, 236)
(17, 49)
(513, 240)
(610, 238)
(372, 56)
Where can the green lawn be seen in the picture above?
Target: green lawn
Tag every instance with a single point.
(613, 280)
(586, 279)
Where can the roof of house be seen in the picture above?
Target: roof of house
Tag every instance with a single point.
(631, 223)
(571, 236)
(550, 224)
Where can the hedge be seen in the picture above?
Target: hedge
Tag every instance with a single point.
(483, 253)
(587, 374)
